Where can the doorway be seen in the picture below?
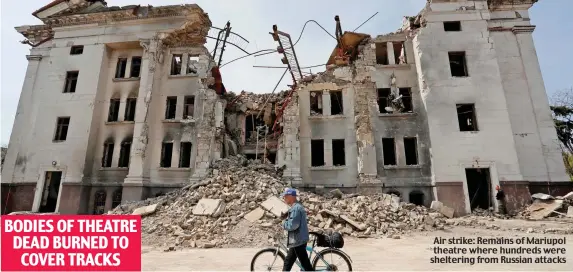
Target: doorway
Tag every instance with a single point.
(51, 191)
(479, 188)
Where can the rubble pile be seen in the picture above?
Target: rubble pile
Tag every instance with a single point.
(237, 205)
(545, 205)
(248, 101)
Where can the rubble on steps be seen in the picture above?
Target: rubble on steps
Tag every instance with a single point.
(238, 208)
(545, 206)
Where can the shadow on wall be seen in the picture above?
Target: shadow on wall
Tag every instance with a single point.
(3, 155)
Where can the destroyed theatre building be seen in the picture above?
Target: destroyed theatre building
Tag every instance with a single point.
(121, 104)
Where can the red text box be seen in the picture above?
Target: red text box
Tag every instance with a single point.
(71, 243)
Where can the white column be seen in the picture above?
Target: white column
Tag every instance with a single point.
(390, 48)
(326, 111)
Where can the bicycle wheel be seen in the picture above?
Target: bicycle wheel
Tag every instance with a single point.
(332, 260)
(265, 260)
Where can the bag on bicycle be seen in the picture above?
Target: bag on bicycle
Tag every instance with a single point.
(330, 239)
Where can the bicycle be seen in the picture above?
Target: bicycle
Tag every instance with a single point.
(279, 250)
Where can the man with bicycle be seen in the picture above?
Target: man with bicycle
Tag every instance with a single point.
(297, 227)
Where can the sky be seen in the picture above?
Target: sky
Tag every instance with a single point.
(253, 19)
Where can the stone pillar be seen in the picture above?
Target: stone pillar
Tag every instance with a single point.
(390, 48)
(328, 152)
(24, 111)
(326, 107)
(138, 174)
(364, 102)
(206, 133)
(291, 143)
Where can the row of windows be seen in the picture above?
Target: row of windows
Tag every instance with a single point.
(166, 154)
(336, 101)
(129, 113)
(171, 107)
(100, 199)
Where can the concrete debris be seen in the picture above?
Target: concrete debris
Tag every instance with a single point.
(568, 196)
(211, 214)
(147, 210)
(541, 196)
(570, 212)
(440, 207)
(542, 208)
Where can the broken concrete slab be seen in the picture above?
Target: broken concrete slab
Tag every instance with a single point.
(353, 223)
(255, 215)
(274, 205)
(570, 212)
(207, 206)
(541, 196)
(568, 196)
(443, 209)
(328, 213)
(543, 208)
(145, 210)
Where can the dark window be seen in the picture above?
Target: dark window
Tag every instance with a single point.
(406, 94)
(315, 103)
(62, 126)
(71, 81)
(382, 53)
(135, 67)
(107, 154)
(399, 52)
(99, 202)
(467, 117)
(124, 153)
(191, 61)
(336, 104)
(176, 64)
(458, 65)
(113, 114)
(317, 152)
(166, 154)
(338, 154)
(189, 107)
(185, 155)
(411, 150)
(383, 102)
(120, 69)
(389, 150)
(77, 50)
(116, 198)
(417, 198)
(453, 26)
(130, 105)
(171, 107)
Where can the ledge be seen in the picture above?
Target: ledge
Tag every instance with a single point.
(173, 169)
(402, 114)
(327, 117)
(179, 121)
(183, 76)
(327, 168)
(113, 168)
(398, 167)
(126, 79)
(119, 122)
(393, 66)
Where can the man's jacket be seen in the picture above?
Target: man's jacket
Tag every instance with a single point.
(296, 225)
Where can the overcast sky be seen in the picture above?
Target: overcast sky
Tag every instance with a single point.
(253, 19)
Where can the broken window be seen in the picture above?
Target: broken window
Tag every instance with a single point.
(171, 107)
(191, 64)
(251, 124)
(130, 105)
(458, 65)
(62, 126)
(166, 154)
(411, 150)
(399, 52)
(315, 103)
(99, 202)
(389, 150)
(107, 154)
(317, 152)
(120, 68)
(336, 105)
(467, 117)
(113, 113)
(185, 155)
(176, 64)
(135, 67)
(453, 26)
(406, 94)
(383, 100)
(416, 198)
(71, 81)
(124, 153)
(77, 50)
(116, 198)
(189, 107)
(382, 53)
(338, 154)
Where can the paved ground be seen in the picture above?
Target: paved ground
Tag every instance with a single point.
(408, 253)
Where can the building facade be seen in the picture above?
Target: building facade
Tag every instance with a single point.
(114, 107)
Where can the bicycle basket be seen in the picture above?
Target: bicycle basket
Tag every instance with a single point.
(330, 239)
